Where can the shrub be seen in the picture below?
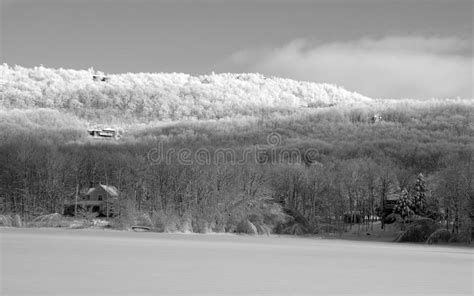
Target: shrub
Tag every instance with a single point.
(16, 221)
(171, 223)
(418, 231)
(82, 223)
(119, 224)
(185, 224)
(461, 237)
(439, 236)
(292, 227)
(143, 219)
(100, 223)
(5, 220)
(294, 223)
(296, 229)
(263, 229)
(158, 222)
(247, 227)
(200, 225)
(51, 220)
(13, 220)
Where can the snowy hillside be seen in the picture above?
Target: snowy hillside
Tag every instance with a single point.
(164, 96)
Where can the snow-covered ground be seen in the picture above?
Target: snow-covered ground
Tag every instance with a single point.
(99, 262)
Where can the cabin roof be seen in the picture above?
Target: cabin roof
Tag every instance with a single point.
(111, 190)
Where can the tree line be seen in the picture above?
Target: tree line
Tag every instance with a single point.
(357, 165)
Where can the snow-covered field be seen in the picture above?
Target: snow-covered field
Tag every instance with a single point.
(99, 262)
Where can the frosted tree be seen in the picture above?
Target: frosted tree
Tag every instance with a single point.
(419, 195)
(202, 97)
(404, 207)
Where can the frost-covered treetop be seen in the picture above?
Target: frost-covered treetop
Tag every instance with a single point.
(163, 95)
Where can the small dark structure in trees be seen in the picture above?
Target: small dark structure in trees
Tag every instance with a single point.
(101, 199)
(387, 207)
(102, 78)
(104, 133)
(375, 118)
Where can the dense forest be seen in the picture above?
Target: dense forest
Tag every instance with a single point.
(224, 151)
(163, 96)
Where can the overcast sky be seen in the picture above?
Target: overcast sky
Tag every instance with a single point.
(389, 49)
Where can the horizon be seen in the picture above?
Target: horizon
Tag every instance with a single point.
(361, 46)
(99, 72)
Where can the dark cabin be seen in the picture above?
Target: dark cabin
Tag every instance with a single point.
(101, 199)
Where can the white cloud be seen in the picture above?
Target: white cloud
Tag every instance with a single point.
(392, 67)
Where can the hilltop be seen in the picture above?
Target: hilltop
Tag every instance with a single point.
(162, 96)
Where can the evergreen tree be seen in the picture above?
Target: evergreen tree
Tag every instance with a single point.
(404, 206)
(419, 196)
